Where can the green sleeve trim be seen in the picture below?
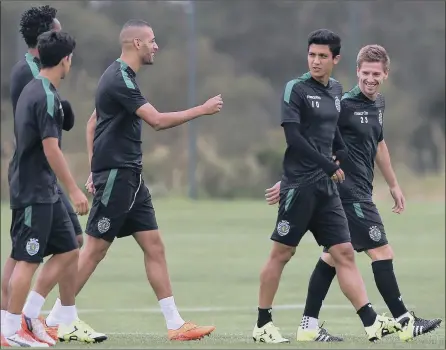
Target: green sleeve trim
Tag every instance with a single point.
(32, 65)
(128, 82)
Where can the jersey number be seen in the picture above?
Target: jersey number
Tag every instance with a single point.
(315, 104)
(364, 120)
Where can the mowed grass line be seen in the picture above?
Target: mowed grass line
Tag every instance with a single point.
(215, 251)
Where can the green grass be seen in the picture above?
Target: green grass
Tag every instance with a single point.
(215, 251)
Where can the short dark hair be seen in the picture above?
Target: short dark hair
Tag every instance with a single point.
(53, 46)
(35, 21)
(136, 23)
(326, 37)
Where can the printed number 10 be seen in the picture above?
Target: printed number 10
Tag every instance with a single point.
(315, 104)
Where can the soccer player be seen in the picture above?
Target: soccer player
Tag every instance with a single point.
(309, 199)
(122, 204)
(41, 225)
(34, 22)
(361, 127)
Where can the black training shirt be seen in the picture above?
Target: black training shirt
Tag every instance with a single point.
(38, 115)
(361, 127)
(117, 138)
(315, 108)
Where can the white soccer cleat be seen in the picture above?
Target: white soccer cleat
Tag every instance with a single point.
(36, 327)
(23, 339)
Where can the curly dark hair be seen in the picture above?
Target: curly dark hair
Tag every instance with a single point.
(35, 21)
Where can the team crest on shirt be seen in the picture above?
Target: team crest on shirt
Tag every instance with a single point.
(32, 246)
(283, 228)
(338, 103)
(375, 233)
(380, 117)
(103, 225)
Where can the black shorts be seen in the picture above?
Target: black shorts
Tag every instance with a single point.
(122, 205)
(315, 207)
(41, 230)
(73, 216)
(366, 226)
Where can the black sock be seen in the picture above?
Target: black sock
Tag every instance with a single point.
(264, 317)
(318, 287)
(367, 315)
(388, 286)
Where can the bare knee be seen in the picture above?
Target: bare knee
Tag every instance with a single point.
(327, 258)
(342, 254)
(282, 253)
(381, 253)
(95, 249)
(151, 244)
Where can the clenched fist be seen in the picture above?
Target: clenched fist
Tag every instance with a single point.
(213, 105)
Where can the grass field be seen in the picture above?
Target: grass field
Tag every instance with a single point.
(215, 251)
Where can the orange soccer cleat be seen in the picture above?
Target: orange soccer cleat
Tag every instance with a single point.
(52, 331)
(190, 331)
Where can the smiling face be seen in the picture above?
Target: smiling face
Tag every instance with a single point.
(372, 69)
(371, 75)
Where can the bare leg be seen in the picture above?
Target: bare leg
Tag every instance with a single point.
(272, 272)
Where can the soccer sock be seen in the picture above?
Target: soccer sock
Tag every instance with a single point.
(309, 322)
(367, 315)
(67, 314)
(388, 286)
(52, 319)
(3, 317)
(12, 324)
(33, 305)
(318, 287)
(61, 314)
(171, 314)
(265, 316)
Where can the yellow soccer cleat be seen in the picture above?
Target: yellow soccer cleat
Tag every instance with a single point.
(79, 331)
(416, 326)
(269, 333)
(383, 326)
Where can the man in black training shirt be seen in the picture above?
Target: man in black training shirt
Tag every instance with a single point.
(309, 199)
(40, 224)
(361, 127)
(122, 204)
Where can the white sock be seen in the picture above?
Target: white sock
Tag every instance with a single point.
(171, 314)
(309, 322)
(3, 317)
(61, 314)
(52, 319)
(407, 314)
(67, 314)
(33, 305)
(12, 324)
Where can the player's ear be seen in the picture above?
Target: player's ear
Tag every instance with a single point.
(336, 59)
(137, 43)
(357, 71)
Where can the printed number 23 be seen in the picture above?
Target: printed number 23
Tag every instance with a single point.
(315, 104)
(364, 120)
